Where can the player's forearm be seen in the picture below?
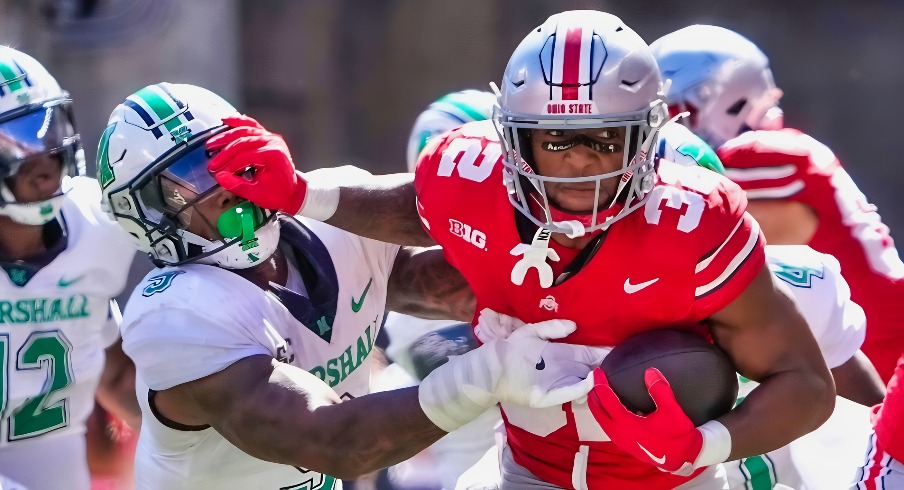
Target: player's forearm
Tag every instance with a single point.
(116, 390)
(297, 420)
(384, 209)
(376, 431)
(344, 440)
(784, 407)
(858, 381)
(120, 401)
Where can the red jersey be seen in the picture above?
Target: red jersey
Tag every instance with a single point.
(888, 417)
(787, 164)
(689, 252)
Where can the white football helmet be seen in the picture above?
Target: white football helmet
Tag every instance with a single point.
(447, 113)
(581, 69)
(35, 119)
(152, 167)
(721, 78)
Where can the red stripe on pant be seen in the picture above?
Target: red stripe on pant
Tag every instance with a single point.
(875, 468)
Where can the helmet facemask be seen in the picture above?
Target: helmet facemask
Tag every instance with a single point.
(38, 130)
(528, 190)
(176, 194)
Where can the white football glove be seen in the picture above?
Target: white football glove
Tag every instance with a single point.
(494, 326)
(522, 369)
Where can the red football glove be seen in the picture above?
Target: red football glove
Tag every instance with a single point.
(256, 165)
(665, 438)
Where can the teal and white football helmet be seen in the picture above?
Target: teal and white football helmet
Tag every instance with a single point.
(35, 119)
(447, 113)
(721, 78)
(152, 167)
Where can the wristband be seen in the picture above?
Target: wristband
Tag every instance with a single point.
(716, 444)
(320, 201)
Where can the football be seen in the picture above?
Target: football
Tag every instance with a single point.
(702, 377)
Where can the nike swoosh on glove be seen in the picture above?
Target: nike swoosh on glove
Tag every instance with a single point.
(509, 370)
(256, 165)
(665, 438)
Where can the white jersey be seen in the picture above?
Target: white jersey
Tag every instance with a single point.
(184, 323)
(55, 323)
(839, 326)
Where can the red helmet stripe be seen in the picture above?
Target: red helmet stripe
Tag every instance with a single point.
(571, 64)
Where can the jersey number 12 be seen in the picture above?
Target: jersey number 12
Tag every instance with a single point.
(50, 350)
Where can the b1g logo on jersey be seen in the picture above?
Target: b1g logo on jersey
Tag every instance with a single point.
(470, 235)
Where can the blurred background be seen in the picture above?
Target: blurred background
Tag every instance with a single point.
(343, 80)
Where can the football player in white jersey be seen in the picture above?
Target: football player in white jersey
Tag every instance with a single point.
(62, 261)
(257, 325)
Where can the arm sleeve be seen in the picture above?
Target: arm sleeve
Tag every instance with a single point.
(172, 346)
(731, 250)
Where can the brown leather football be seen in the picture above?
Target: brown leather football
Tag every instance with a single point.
(702, 377)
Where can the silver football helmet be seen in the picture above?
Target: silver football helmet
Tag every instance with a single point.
(579, 70)
(721, 78)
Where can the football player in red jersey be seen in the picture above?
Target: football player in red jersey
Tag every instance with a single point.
(603, 233)
(884, 465)
(798, 191)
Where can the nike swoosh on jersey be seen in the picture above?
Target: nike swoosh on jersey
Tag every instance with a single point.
(659, 461)
(356, 305)
(64, 283)
(633, 288)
